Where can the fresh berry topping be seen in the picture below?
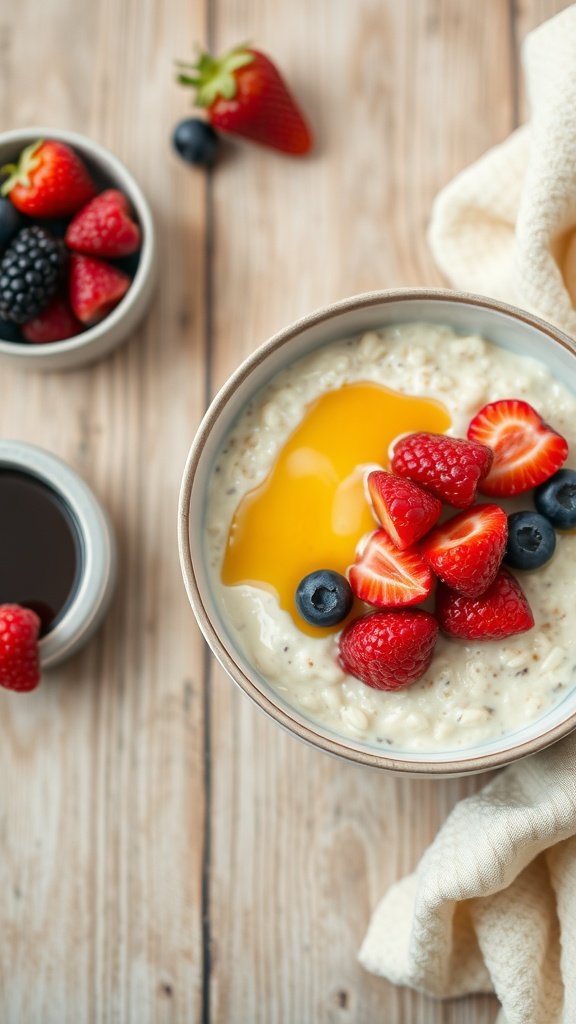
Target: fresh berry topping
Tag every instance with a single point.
(9, 331)
(104, 227)
(10, 222)
(466, 551)
(405, 511)
(324, 598)
(49, 180)
(55, 323)
(385, 577)
(244, 93)
(19, 667)
(531, 541)
(556, 499)
(30, 271)
(95, 287)
(448, 467)
(526, 450)
(389, 650)
(196, 142)
(500, 611)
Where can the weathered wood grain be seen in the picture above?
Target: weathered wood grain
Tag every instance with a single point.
(101, 802)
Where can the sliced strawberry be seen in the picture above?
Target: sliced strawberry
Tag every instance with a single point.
(104, 227)
(448, 467)
(526, 450)
(389, 650)
(55, 323)
(405, 511)
(466, 551)
(388, 578)
(500, 611)
(95, 287)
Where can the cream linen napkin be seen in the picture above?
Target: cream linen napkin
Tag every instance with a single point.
(506, 226)
(492, 905)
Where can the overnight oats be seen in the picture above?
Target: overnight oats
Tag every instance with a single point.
(390, 538)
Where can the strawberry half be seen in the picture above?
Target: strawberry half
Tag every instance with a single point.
(448, 467)
(55, 323)
(95, 287)
(466, 551)
(385, 577)
(526, 450)
(389, 650)
(49, 180)
(104, 227)
(405, 511)
(500, 611)
(245, 94)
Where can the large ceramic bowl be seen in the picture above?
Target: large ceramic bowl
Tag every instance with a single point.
(96, 341)
(504, 325)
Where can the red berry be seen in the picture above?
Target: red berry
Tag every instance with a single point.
(448, 467)
(389, 650)
(526, 450)
(104, 227)
(388, 578)
(49, 180)
(500, 611)
(19, 665)
(55, 323)
(466, 551)
(244, 93)
(404, 509)
(95, 287)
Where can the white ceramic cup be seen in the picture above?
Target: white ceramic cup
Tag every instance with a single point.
(93, 591)
(104, 336)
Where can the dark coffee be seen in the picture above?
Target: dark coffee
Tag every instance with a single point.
(40, 547)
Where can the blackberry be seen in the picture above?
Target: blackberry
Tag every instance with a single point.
(30, 271)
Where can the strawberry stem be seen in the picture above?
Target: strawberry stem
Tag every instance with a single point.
(213, 77)
(19, 174)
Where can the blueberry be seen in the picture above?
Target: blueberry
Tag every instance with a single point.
(196, 142)
(531, 541)
(9, 331)
(10, 222)
(556, 499)
(324, 598)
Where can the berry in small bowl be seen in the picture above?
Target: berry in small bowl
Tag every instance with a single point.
(80, 222)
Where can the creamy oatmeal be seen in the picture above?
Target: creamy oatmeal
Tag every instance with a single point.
(471, 692)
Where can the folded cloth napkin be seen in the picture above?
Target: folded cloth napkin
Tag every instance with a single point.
(492, 905)
(506, 226)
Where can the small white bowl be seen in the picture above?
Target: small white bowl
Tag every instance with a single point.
(507, 327)
(96, 579)
(96, 341)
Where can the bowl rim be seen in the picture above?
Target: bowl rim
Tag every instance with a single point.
(457, 766)
(124, 178)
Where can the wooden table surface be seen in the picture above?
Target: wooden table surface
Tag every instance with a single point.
(167, 853)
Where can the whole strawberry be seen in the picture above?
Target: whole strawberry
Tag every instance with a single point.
(19, 667)
(389, 650)
(448, 467)
(104, 227)
(244, 93)
(49, 180)
(500, 611)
